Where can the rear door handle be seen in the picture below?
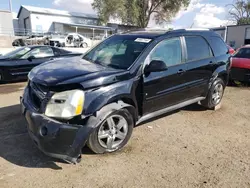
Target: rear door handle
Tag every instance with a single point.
(181, 71)
(51, 58)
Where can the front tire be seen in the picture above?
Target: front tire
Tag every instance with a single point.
(113, 133)
(215, 94)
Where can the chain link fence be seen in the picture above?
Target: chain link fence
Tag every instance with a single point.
(22, 37)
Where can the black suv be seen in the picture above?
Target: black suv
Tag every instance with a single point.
(98, 98)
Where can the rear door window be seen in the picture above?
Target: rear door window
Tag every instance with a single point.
(197, 48)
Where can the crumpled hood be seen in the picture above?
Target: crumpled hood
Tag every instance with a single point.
(62, 70)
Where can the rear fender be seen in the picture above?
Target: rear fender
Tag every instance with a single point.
(222, 72)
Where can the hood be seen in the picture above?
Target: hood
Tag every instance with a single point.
(241, 63)
(69, 70)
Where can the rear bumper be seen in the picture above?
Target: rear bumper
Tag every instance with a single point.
(54, 138)
(240, 74)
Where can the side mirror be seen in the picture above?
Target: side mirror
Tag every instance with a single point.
(31, 57)
(156, 66)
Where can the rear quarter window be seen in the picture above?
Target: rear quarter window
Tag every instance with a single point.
(219, 46)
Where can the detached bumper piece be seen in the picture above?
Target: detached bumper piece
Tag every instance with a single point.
(240, 74)
(54, 138)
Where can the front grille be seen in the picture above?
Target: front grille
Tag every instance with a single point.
(38, 95)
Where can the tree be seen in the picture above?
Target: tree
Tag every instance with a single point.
(138, 12)
(240, 12)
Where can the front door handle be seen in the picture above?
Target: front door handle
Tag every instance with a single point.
(51, 58)
(181, 71)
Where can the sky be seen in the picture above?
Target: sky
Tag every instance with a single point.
(199, 13)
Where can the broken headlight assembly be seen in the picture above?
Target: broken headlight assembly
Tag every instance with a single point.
(65, 105)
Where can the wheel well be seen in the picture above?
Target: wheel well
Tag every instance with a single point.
(132, 109)
(224, 77)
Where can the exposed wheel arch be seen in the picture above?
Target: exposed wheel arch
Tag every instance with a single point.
(1, 76)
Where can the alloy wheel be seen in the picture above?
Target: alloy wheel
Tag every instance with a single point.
(112, 132)
(217, 94)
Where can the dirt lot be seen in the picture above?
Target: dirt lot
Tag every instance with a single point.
(192, 147)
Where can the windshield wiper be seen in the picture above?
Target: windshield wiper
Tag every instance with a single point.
(115, 66)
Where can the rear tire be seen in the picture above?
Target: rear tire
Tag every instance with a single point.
(84, 45)
(113, 133)
(215, 94)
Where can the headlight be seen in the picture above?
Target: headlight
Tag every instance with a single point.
(65, 104)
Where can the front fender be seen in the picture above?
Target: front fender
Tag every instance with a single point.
(96, 99)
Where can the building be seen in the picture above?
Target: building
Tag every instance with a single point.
(220, 31)
(235, 35)
(119, 28)
(44, 20)
(6, 25)
(6, 28)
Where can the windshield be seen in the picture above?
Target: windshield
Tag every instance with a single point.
(243, 53)
(118, 51)
(16, 54)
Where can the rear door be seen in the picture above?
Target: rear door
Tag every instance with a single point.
(165, 88)
(200, 63)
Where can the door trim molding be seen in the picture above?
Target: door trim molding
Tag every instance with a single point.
(169, 109)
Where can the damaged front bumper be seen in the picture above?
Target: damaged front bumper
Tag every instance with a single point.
(54, 138)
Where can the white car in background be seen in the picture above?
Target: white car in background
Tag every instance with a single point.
(71, 40)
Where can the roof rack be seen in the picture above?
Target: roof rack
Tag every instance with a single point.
(190, 29)
(144, 29)
(166, 31)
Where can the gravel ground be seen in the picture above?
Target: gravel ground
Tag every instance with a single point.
(192, 147)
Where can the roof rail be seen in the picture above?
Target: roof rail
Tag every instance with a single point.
(189, 29)
(198, 29)
(144, 29)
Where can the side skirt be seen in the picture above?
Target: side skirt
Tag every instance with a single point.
(169, 109)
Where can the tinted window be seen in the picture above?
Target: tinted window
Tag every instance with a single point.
(219, 46)
(243, 53)
(119, 51)
(59, 52)
(39, 52)
(197, 48)
(168, 51)
(16, 54)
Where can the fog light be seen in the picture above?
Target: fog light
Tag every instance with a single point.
(43, 131)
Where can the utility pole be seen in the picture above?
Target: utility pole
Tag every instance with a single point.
(10, 5)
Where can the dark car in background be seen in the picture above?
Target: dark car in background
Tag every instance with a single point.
(17, 64)
(240, 71)
(125, 80)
